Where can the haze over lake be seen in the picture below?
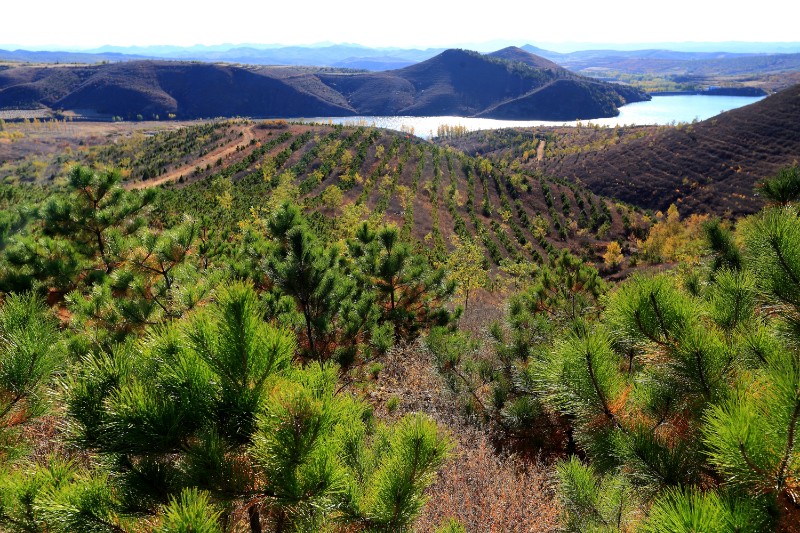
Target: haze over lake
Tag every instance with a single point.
(660, 110)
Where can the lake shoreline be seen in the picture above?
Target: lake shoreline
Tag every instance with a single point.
(722, 91)
(661, 110)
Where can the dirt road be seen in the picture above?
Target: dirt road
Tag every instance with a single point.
(248, 134)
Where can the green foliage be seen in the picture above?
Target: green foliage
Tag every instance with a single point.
(691, 510)
(243, 352)
(178, 408)
(212, 402)
(682, 387)
(451, 525)
(592, 502)
(86, 503)
(732, 298)
(157, 278)
(783, 188)
(295, 445)
(466, 269)
(30, 354)
(753, 438)
(33, 259)
(720, 241)
(566, 289)
(773, 244)
(410, 294)
(651, 311)
(387, 481)
(337, 313)
(59, 496)
(96, 214)
(191, 512)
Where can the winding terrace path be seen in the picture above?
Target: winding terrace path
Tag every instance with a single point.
(248, 135)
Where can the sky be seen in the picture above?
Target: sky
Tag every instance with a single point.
(46, 24)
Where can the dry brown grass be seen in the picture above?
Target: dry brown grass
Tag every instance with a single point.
(481, 488)
(487, 492)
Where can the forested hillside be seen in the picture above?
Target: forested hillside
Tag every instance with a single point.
(347, 173)
(265, 326)
(708, 166)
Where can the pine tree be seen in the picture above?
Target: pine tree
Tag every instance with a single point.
(96, 213)
(683, 388)
(210, 409)
(465, 267)
(783, 188)
(30, 354)
(410, 294)
(337, 314)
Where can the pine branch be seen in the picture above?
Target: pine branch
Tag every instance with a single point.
(749, 462)
(663, 415)
(789, 446)
(701, 373)
(659, 316)
(782, 260)
(606, 410)
(638, 317)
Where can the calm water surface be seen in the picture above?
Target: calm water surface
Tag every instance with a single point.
(659, 110)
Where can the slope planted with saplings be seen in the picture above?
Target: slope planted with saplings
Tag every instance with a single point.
(430, 192)
(709, 166)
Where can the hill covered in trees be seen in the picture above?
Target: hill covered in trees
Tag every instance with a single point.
(347, 172)
(709, 166)
(455, 82)
(250, 326)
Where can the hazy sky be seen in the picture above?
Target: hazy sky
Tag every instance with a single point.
(403, 23)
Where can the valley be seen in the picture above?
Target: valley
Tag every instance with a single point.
(218, 316)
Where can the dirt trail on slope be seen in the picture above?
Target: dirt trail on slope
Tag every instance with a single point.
(540, 150)
(248, 135)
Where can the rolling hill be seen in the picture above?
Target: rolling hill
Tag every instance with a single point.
(514, 53)
(430, 192)
(455, 82)
(711, 166)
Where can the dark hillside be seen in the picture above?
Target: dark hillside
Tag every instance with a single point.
(561, 97)
(32, 87)
(513, 53)
(465, 83)
(198, 90)
(711, 166)
(375, 93)
(158, 87)
(456, 82)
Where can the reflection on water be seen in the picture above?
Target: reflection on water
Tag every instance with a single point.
(659, 110)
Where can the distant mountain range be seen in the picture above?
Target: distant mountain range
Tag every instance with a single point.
(343, 56)
(672, 62)
(680, 56)
(508, 84)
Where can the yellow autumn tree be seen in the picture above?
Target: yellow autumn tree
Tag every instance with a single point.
(332, 197)
(465, 267)
(613, 256)
(672, 239)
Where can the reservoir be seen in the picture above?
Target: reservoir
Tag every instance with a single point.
(660, 110)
